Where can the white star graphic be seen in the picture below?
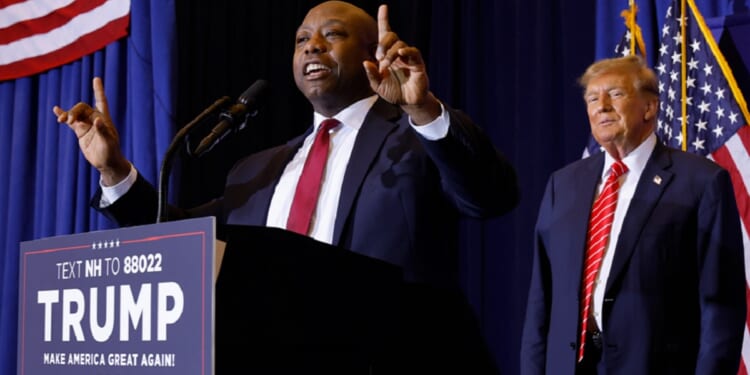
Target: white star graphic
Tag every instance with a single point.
(720, 93)
(671, 93)
(670, 113)
(692, 64)
(679, 119)
(704, 107)
(677, 39)
(719, 112)
(661, 68)
(701, 125)
(733, 117)
(696, 45)
(698, 144)
(676, 58)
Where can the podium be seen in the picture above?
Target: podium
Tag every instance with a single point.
(288, 304)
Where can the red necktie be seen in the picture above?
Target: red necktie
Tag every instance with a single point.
(308, 186)
(600, 224)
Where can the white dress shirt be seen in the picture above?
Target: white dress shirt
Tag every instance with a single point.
(635, 161)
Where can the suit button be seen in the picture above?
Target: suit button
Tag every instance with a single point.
(572, 346)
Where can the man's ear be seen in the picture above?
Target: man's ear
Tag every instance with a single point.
(652, 107)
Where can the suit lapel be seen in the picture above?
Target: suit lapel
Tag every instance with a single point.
(379, 122)
(649, 190)
(584, 186)
(277, 164)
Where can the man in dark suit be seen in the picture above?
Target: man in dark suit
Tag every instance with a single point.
(653, 284)
(402, 166)
(401, 169)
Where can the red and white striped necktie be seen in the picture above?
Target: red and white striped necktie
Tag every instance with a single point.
(600, 224)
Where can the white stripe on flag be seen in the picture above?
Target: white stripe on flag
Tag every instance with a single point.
(29, 10)
(78, 26)
(741, 158)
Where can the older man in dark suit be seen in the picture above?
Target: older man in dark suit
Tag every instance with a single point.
(638, 263)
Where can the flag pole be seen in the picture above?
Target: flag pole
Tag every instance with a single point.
(631, 23)
(683, 75)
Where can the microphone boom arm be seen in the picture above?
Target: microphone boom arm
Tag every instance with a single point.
(166, 165)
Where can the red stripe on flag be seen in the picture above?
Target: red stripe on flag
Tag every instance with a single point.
(744, 134)
(723, 158)
(83, 46)
(743, 369)
(48, 22)
(5, 3)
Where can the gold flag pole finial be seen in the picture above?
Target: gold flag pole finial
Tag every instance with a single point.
(636, 36)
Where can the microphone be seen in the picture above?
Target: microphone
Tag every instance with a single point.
(234, 116)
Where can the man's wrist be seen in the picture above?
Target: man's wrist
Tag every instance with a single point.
(425, 112)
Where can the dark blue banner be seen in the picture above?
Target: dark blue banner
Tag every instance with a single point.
(134, 300)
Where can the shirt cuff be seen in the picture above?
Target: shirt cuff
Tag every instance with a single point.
(110, 194)
(435, 130)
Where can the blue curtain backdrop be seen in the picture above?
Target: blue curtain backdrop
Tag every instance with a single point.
(512, 65)
(46, 183)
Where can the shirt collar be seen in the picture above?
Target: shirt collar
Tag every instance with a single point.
(636, 160)
(352, 116)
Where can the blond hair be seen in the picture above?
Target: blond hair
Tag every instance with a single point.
(645, 80)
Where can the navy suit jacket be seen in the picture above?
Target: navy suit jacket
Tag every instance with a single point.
(674, 302)
(400, 199)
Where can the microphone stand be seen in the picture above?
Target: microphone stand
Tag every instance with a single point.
(166, 165)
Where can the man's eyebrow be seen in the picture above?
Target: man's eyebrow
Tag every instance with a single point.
(331, 22)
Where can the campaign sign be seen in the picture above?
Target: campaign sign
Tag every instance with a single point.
(135, 300)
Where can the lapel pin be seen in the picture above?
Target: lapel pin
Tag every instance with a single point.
(657, 180)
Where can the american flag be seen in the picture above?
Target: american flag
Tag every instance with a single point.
(37, 35)
(716, 112)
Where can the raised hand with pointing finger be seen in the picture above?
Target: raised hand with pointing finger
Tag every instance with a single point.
(97, 135)
(400, 75)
